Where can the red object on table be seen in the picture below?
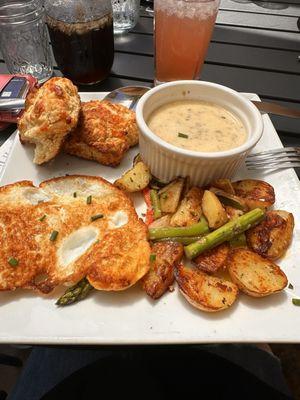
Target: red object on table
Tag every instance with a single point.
(149, 213)
(7, 117)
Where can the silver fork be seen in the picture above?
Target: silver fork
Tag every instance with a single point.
(286, 157)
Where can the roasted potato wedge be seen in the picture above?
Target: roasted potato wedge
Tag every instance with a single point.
(135, 179)
(255, 275)
(205, 292)
(228, 199)
(273, 235)
(213, 210)
(224, 184)
(233, 212)
(170, 195)
(212, 260)
(256, 193)
(162, 222)
(189, 210)
(161, 274)
(137, 159)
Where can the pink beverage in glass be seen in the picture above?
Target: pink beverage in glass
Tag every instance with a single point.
(183, 30)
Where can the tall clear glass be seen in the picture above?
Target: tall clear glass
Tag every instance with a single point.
(81, 33)
(24, 39)
(126, 14)
(183, 29)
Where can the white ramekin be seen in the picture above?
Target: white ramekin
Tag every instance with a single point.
(167, 161)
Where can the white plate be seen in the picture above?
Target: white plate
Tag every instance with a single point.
(130, 316)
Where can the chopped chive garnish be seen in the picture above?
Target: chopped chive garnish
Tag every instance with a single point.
(97, 241)
(291, 286)
(42, 218)
(296, 302)
(152, 257)
(89, 200)
(75, 194)
(183, 135)
(13, 262)
(53, 236)
(97, 216)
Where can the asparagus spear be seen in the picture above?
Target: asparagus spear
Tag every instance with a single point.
(75, 293)
(193, 230)
(238, 241)
(225, 233)
(181, 239)
(155, 204)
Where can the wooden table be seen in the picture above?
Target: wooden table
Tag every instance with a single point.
(255, 48)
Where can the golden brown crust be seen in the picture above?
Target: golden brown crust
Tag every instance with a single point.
(123, 258)
(232, 212)
(212, 260)
(161, 274)
(255, 275)
(104, 133)
(273, 235)
(27, 238)
(256, 193)
(205, 292)
(51, 113)
(189, 210)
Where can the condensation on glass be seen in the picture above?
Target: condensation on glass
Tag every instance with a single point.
(24, 39)
(81, 33)
(126, 14)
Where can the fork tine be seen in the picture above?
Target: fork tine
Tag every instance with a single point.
(268, 157)
(293, 164)
(272, 162)
(275, 151)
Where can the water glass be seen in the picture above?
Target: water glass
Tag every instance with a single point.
(24, 39)
(126, 14)
(183, 29)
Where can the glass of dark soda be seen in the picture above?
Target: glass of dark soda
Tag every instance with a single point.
(81, 34)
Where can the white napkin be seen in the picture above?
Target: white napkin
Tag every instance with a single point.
(5, 150)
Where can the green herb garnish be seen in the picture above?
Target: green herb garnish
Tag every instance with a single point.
(291, 286)
(75, 194)
(53, 236)
(183, 135)
(89, 200)
(152, 257)
(13, 262)
(42, 218)
(296, 302)
(97, 216)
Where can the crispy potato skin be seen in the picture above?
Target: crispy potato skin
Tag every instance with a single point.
(212, 260)
(189, 210)
(161, 274)
(162, 222)
(273, 235)
(257, 194)
(224, 184)
(205, 292)
(135, 179)
(170, 195)
(232, 212)
(255, 275)
(213, 210)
